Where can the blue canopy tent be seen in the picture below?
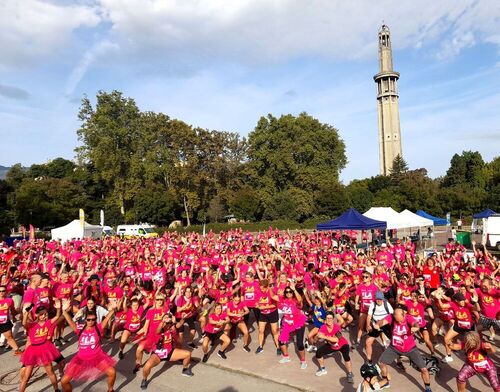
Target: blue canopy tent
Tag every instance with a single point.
(437, 221)
(351, 220)
(484, 214)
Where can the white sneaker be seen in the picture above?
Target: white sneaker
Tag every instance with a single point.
(311, 348)
(321, 372)
(303, 365)
(285, 360)
(448, 358)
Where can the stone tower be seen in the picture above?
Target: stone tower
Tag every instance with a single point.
(389, 132)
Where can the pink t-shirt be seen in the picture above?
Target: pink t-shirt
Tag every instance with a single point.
(5, 305)
(292, 315)
(402, 337)
(89, 342)
(211, 328)
(250, 291)
(133, 319)
(236, 309)
(417, 312)
(39, 334)
(489, 303)
(336, 331)
(366, 295)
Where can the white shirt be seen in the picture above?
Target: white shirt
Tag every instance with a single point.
(380, 312)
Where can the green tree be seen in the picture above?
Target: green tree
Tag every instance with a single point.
(7, 216)
(48, 202)
(216, 209)
(298, 152)
(245, 204)
(331, 200)
(467, 168)
(359, 195)
(109, 135)
(15, 175)
(293, 204)
(399, 167)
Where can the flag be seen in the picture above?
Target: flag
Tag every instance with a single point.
(82, 218)
(23, 231)
(32, 233)
(102, 218)
(204, 229)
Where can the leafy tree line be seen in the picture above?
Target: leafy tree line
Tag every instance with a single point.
(146, 166)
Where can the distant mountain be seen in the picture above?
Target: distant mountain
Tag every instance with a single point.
(3, 171)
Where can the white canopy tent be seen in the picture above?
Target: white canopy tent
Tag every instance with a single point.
(387, 214)
(416, 220)
(75, 230)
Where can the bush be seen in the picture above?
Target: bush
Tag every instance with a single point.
(281, 224)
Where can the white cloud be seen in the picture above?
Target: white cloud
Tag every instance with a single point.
(33, 29)
(261, 31)
(85, 62)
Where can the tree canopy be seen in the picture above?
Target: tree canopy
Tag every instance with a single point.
(145, 166)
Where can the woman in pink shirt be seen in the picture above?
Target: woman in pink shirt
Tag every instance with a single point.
(40, 351)
(90, 361)
(214, 330)
(166, 350)
(237, 311)
(293, 321)
(332, 335)
(365, 295)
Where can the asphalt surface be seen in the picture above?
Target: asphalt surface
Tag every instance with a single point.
(243, 372)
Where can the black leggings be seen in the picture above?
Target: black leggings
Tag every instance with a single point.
(327, 349)
(299, 338)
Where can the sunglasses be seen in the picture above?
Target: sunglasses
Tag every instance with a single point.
(366, 276)
(159, 299)
(3, 291)
(288, 292)
(91, 319)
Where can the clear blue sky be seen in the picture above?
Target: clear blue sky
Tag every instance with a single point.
(221, 64)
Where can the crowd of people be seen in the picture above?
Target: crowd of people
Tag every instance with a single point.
(161, 298)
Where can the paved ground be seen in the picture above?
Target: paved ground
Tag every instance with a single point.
(243, 372)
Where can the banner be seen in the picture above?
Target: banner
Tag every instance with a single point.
(32, 233)
(82, 218)
(448, 219)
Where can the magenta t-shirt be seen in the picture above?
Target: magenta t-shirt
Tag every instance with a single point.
(334, 332)
(89, 342)
(402, 338)
(366, 295)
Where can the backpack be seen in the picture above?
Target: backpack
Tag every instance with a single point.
(432, 365)
(385, 307)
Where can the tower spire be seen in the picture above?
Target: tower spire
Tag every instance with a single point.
(389, 131)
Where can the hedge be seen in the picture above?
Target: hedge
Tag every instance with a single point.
(281, 224)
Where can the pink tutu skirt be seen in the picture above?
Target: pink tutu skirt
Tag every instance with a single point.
(149, 342)
(41, 355)
(89, 368)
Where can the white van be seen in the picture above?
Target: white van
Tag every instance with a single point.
(108, 231)
(141, 230)
(492, 231)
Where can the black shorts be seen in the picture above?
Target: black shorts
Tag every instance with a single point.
(5, 327)
(213, 337)
(190, 322)
(167, 358)
(386, 329)
(269, 318)
(461, 330)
